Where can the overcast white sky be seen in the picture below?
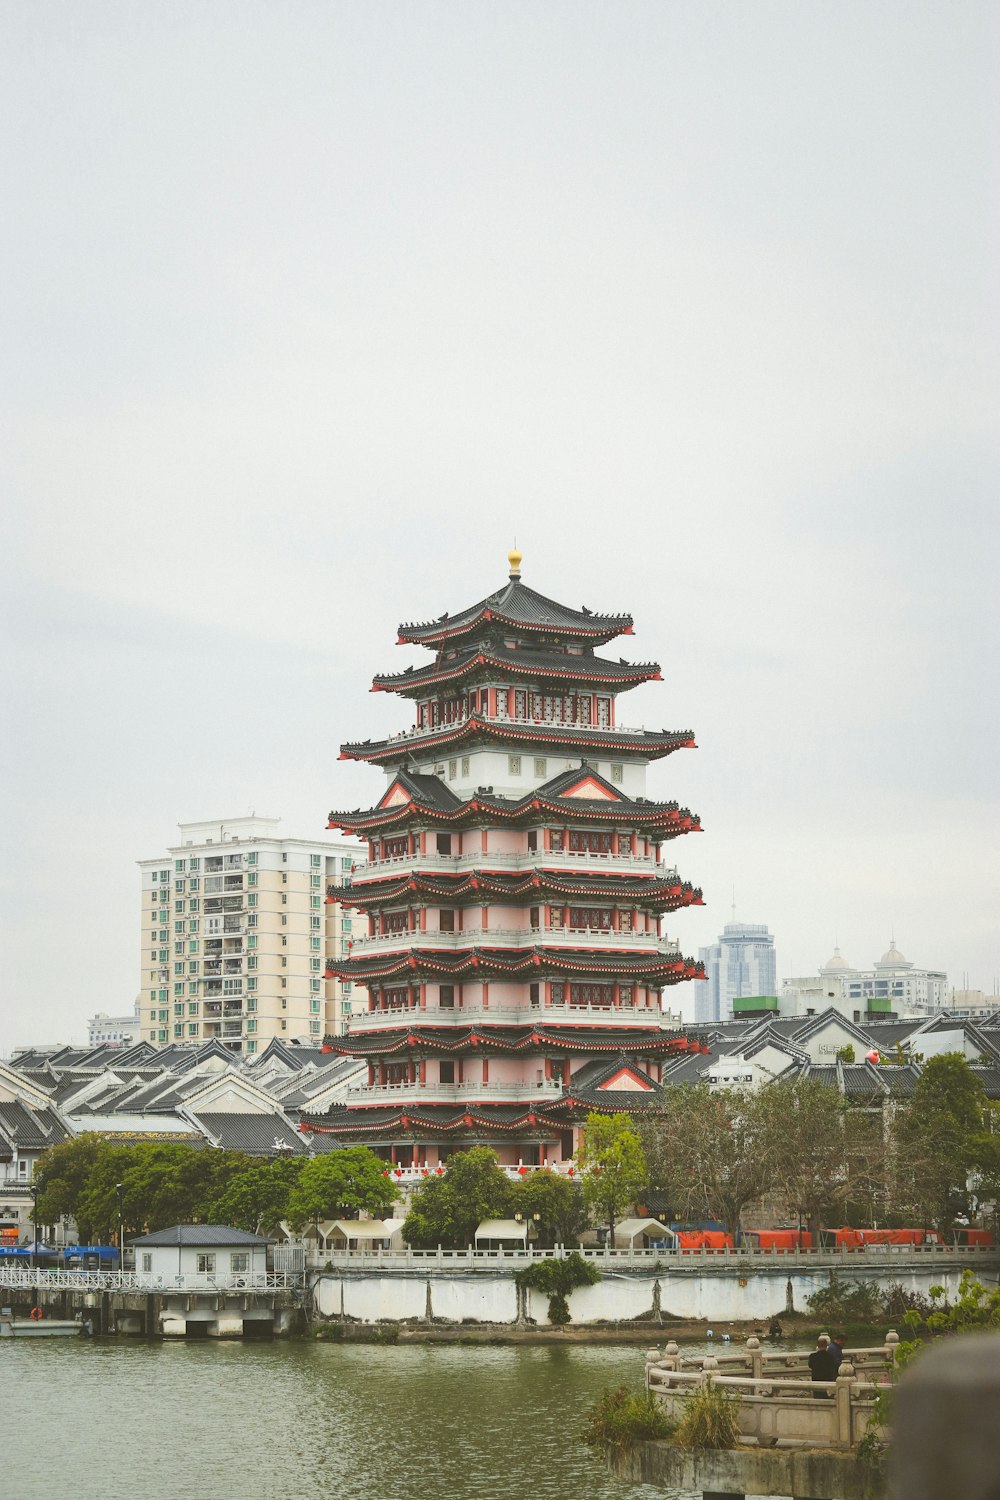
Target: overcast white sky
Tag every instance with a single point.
(308, 307)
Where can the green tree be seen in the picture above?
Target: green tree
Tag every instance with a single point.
(613, 1165)
(709, 1150)
(823, 1154)
(447, 1210)
(62, 1174)
(559, 1203)
(846, 1054)
(341, 1184)
(255, 1197)
(938, 1142)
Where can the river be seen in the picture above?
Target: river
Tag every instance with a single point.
(107, 1419)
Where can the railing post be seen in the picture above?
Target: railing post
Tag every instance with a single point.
(891, 1346)
(842, 1396)
(756, 1358)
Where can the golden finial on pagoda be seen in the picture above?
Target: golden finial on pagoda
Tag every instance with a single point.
(514, 558)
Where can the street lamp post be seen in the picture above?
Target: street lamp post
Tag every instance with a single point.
(33, 1190)
(533, 1219)
(119, 1193)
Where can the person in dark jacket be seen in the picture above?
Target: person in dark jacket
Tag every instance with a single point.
(822, 1365)
(837, 1348)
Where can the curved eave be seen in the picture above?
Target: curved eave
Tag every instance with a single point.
(650, 745)
(470, 1115)
(666, 818)
(655, 969)
(598, 629)
(433, 1041)
(652, 894)
(577, 669)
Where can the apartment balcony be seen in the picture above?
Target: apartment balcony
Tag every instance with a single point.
(456, 1093)
(232, 966)
(461, 1016)
(211, 967)
(516, 937)
(215, 904)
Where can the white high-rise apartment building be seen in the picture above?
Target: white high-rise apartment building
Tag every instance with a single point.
(741, 963)
(236, 934)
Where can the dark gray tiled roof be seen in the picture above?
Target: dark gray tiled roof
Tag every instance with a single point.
(523, 662)
(201, 1234)
(254, 1135)
(517, 603)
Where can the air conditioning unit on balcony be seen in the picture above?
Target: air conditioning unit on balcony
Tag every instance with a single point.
(439, 770)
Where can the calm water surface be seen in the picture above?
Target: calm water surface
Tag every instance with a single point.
(109, 1420)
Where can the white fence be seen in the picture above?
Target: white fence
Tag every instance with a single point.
(133, 1281)
(874, 1258)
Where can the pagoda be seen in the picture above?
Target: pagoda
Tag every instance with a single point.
(514, 893)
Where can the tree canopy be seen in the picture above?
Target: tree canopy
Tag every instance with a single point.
(613, 1167)
(340, 1185)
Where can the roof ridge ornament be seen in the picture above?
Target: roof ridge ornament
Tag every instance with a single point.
(514, 559)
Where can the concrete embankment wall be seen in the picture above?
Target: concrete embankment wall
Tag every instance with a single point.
(454, 1297)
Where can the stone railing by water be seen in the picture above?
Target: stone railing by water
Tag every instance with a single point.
(138, 1281)
(734, 1262)
(778, 1401)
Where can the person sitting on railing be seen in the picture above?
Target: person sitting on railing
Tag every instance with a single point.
(823, 1365)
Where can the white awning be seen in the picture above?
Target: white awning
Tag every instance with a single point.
(502, 1229)
(629, 1230)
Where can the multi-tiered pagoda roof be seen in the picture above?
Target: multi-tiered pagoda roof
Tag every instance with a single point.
(513, 897)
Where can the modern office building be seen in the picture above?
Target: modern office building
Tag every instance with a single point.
(892, 985)
(512, 950)
(237, 936)
(740, 966)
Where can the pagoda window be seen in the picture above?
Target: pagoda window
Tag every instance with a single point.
(603, 713)
(533, 916)
(533, 993)
(423, 715)
(591, 994)
(395, 848)
(586, 918)
(532, 840)
(446, 996)
(556, 918)
(625, 921)
(537, 705)
(626, 994)
(556, 840)
(444, 843)
(584, 710)
(396, 1073)
(446, 920)
(396, 998)
(568, 710)
(520, 704)
(446, 1070)
(589, 841)
(396, 921)
(557, 993)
